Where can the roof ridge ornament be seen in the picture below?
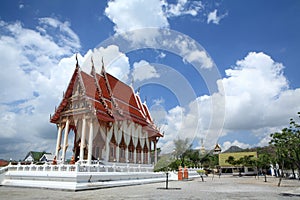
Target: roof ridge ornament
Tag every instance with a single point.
(114, 103)
(78, 68)
(93, 71)
(77, 65)
(100, 95)
(103, 69)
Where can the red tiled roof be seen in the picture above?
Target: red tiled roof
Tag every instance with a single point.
(120, 100)
(3, 163)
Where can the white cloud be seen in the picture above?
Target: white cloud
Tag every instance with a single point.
(142, 24)
(65, 34)
(190, 50)
(199, 56)
(257, 99)
(250, 88)
(130, 16)
(172, 128)
(214, 18)
(33, 75)
(162, 55)
(183, 7)
(158, 113)
(136, 14)
(143, 70)
(115, 62)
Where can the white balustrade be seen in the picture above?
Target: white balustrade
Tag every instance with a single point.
(82, 166)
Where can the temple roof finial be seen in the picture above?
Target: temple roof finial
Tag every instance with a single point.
(76, 59)
(77, 64)
(103, 68)
(93, 67)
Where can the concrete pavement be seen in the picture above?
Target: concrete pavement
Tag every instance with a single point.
(226, 187)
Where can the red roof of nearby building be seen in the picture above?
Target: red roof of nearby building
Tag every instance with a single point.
(113, 101)
(3, 163)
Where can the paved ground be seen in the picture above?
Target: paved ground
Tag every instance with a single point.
(224, 188)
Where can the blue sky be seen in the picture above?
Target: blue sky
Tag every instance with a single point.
(253, 83)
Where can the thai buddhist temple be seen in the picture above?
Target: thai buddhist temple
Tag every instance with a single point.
(108, 119)
(114, 142)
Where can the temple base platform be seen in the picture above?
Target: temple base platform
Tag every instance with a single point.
(78, 177)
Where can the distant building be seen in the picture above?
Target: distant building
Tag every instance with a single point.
(47, 158)
(3, 163)
(34, 156)
(202, 148)
(217, 149)
(235, 170)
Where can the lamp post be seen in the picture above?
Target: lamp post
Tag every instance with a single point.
(167, 178)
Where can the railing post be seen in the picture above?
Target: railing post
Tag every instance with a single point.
(77, 167)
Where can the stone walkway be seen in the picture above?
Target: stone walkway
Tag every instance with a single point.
(227, 187)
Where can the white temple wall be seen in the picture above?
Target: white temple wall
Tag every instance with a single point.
(94, 141)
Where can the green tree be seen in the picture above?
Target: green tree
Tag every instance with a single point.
(191, 157)
(231, 160)
(165, 163)
(287, 145)
(209, 161)
(263, 163)
(182, 148)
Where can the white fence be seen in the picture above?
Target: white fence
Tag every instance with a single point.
(81, 167)
(3, 169)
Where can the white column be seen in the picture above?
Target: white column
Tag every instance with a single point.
(134, 155)
(135, 139)
(90, 148)
(126, 154)
(107, 141)
(149, 157)
(142, 156)
(155, 152)
(149, 149)
(142, 138)
(126, 133)
(82, 143)
(107, 149)
(118, 137)
(103, 135)
(58, 142)
(65, 141)
(117, 153)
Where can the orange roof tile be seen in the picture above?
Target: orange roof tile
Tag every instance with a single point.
(120, 99)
